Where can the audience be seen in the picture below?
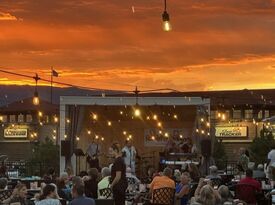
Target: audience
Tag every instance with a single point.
(213, 173)
(48, 196)
(225, 194)
(129, 174)
(249, 180)
(105, 181)
(91, 183)
(259, 173)
(194, 172)
(19, 195)
(206, 195)
(78, 195)
(3, 183)
(182, 189)
(163, 181)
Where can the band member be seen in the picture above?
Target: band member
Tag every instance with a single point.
(93, 152)
(170, 147)
(129, 153)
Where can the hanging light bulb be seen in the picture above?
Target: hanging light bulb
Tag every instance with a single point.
(35, 99)
(137, 112)
(166, 19)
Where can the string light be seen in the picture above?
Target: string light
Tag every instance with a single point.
(160, 132)
(96, 137)
(159, 124)
(1, 118)
(223, 117)
(202, 120)
(148, 117)
(175, 117)
(130, 136)
(197, 130)
(153, 138)
(55, 119)
(95, 116)
(41, 123)
(137, 112)
(40, 114)
(68, 121)
(155, 117)
(208, 124)
(54, 137)
(109, 123)
(124, 132)
(65, 136)
(77, 138)
(54, 131)
(89, 132)
(166, 134)
(121, 112)
(202, 132)
(181, 136)
(102, 138)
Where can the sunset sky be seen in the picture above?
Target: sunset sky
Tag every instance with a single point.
(118, 44)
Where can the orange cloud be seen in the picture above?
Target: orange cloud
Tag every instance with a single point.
(7, 17)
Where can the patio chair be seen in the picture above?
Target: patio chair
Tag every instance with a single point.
(5, 194)
(106, 193)
(163, 196)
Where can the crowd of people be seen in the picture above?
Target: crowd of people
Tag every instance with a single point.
(188, 184)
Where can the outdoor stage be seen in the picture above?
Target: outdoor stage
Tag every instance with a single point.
(148, 121)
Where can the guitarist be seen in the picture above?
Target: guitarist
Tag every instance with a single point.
(92, 153)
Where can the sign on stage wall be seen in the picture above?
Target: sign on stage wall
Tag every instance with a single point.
(15, 133)
(156, 137)
(231, 132)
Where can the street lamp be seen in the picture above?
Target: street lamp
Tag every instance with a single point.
(166, 25)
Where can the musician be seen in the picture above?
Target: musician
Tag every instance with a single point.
(93, 151)
(129, 153)
(170, 147)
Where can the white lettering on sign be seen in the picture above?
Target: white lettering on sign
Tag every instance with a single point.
(15, 133)
(231, 132)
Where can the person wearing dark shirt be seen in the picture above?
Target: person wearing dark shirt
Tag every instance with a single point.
(78, 195)
(91, 183)
(118, 175)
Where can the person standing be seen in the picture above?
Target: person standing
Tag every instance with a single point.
(118, 175)
(93, 152)
(130, 153)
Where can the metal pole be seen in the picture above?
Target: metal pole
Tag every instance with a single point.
(51, 85)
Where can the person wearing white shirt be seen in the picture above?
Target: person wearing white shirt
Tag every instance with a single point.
(129, 153)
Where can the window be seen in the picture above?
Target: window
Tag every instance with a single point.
(29, 118)
(260, 114)
(248, 114)
(266, 113)
(237, 114)
(4, 118)
(20, 118)
(213, 114)
(12, 118)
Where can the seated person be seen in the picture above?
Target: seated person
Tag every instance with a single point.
(225, 194)
(105, 181)
(249, 180)
(259, 172)
(130, 175)
(182, 189)
(213, 173)
(162, 181)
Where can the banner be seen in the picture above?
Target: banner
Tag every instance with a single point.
(15, 133)
(231, 132)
